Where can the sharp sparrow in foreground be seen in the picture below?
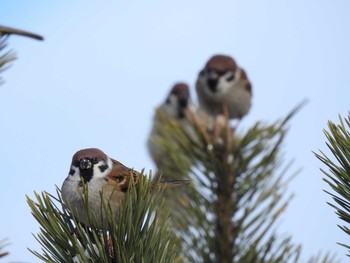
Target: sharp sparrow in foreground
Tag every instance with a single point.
(101, 175)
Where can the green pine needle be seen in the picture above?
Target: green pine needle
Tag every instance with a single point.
(135, 236)
(338, 173)
(3, 244)
(6, 57)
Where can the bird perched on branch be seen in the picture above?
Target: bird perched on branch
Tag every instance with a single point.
(174, 108)
(13, 31)
(101, 175)
(222, 86)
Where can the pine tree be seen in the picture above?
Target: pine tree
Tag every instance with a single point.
(229, 213)
(237, 193)
(338, 172)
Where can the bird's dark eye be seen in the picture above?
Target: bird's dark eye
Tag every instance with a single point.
(94, 160)
(230, 76)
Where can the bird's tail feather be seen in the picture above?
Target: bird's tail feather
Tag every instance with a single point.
(170, 184)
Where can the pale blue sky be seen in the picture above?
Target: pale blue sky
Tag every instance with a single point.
(105, 65)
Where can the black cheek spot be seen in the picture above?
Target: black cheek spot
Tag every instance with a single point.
(71, 172)
(230, 77)
(103, 167)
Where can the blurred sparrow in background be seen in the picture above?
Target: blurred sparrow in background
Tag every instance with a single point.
(223, 87)
(175, 108)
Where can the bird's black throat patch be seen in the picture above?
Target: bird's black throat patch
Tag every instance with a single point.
(86, 174)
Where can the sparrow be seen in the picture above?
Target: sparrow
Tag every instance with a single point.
(12, 31)
(223, 87)
(175, 108)
(103, 177)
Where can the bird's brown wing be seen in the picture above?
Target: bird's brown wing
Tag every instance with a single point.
(170, 184)
(9, 31)
(244, 79)
(122, 175)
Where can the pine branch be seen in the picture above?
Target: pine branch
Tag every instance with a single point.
(6, 57)
(2, 245)
(6, 31)
(338, 173)
(229, 213)
(326, 258)
(135, 236)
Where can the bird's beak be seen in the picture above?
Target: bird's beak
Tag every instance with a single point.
(85, 164)
(183, 101)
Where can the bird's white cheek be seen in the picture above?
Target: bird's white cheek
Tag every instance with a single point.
(70, 188)
(74, 174)
(170, 109)
(71, 183)
(102, 169)
(224, 86)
